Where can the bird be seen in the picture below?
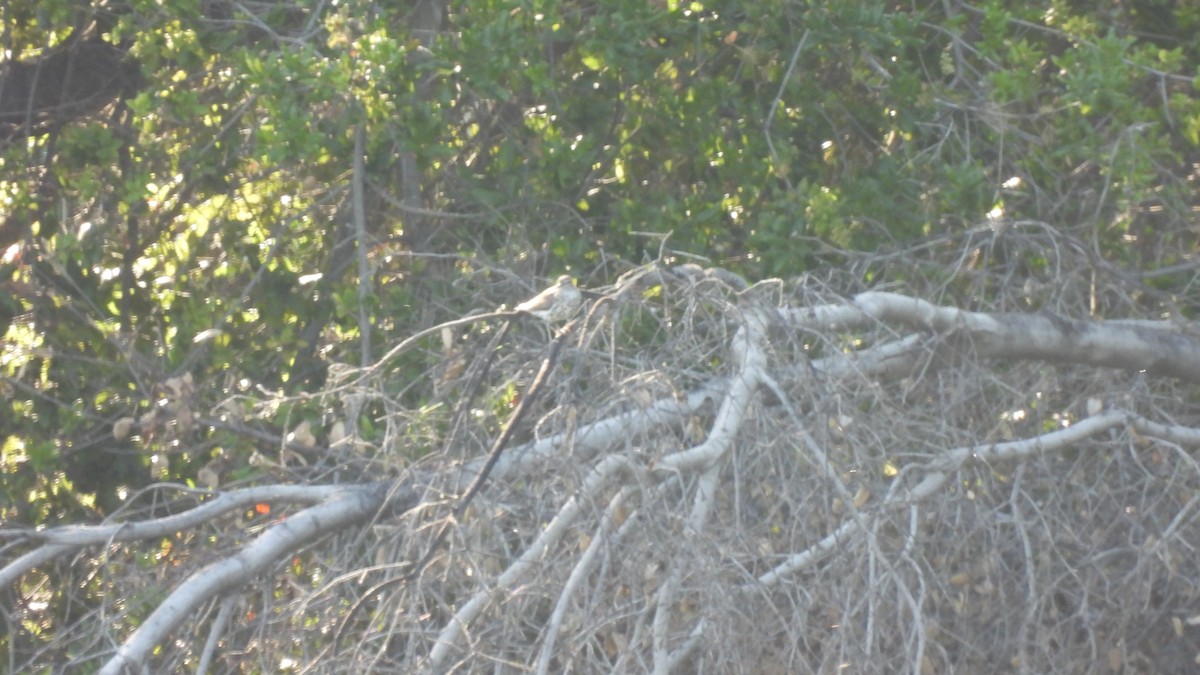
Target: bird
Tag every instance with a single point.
(555, 304)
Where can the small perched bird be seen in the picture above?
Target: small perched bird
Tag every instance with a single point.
(555, 304)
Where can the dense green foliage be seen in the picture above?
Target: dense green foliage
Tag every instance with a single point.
(204, 219)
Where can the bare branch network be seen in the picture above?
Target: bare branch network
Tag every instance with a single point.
(714, 479)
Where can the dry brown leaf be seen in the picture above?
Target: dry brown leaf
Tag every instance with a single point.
(209, 476)
(303, 436)
(1115, 660)
(122, 428)
(861, 496)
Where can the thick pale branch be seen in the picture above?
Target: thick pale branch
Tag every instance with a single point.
(60, 540)
(587, 564)
(604, 434)
(751, 360)
(1047, 337)
(40, 555)
(84, 535)
(952, 460)
(346, 506)
(1154, 347)
(455, 628)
